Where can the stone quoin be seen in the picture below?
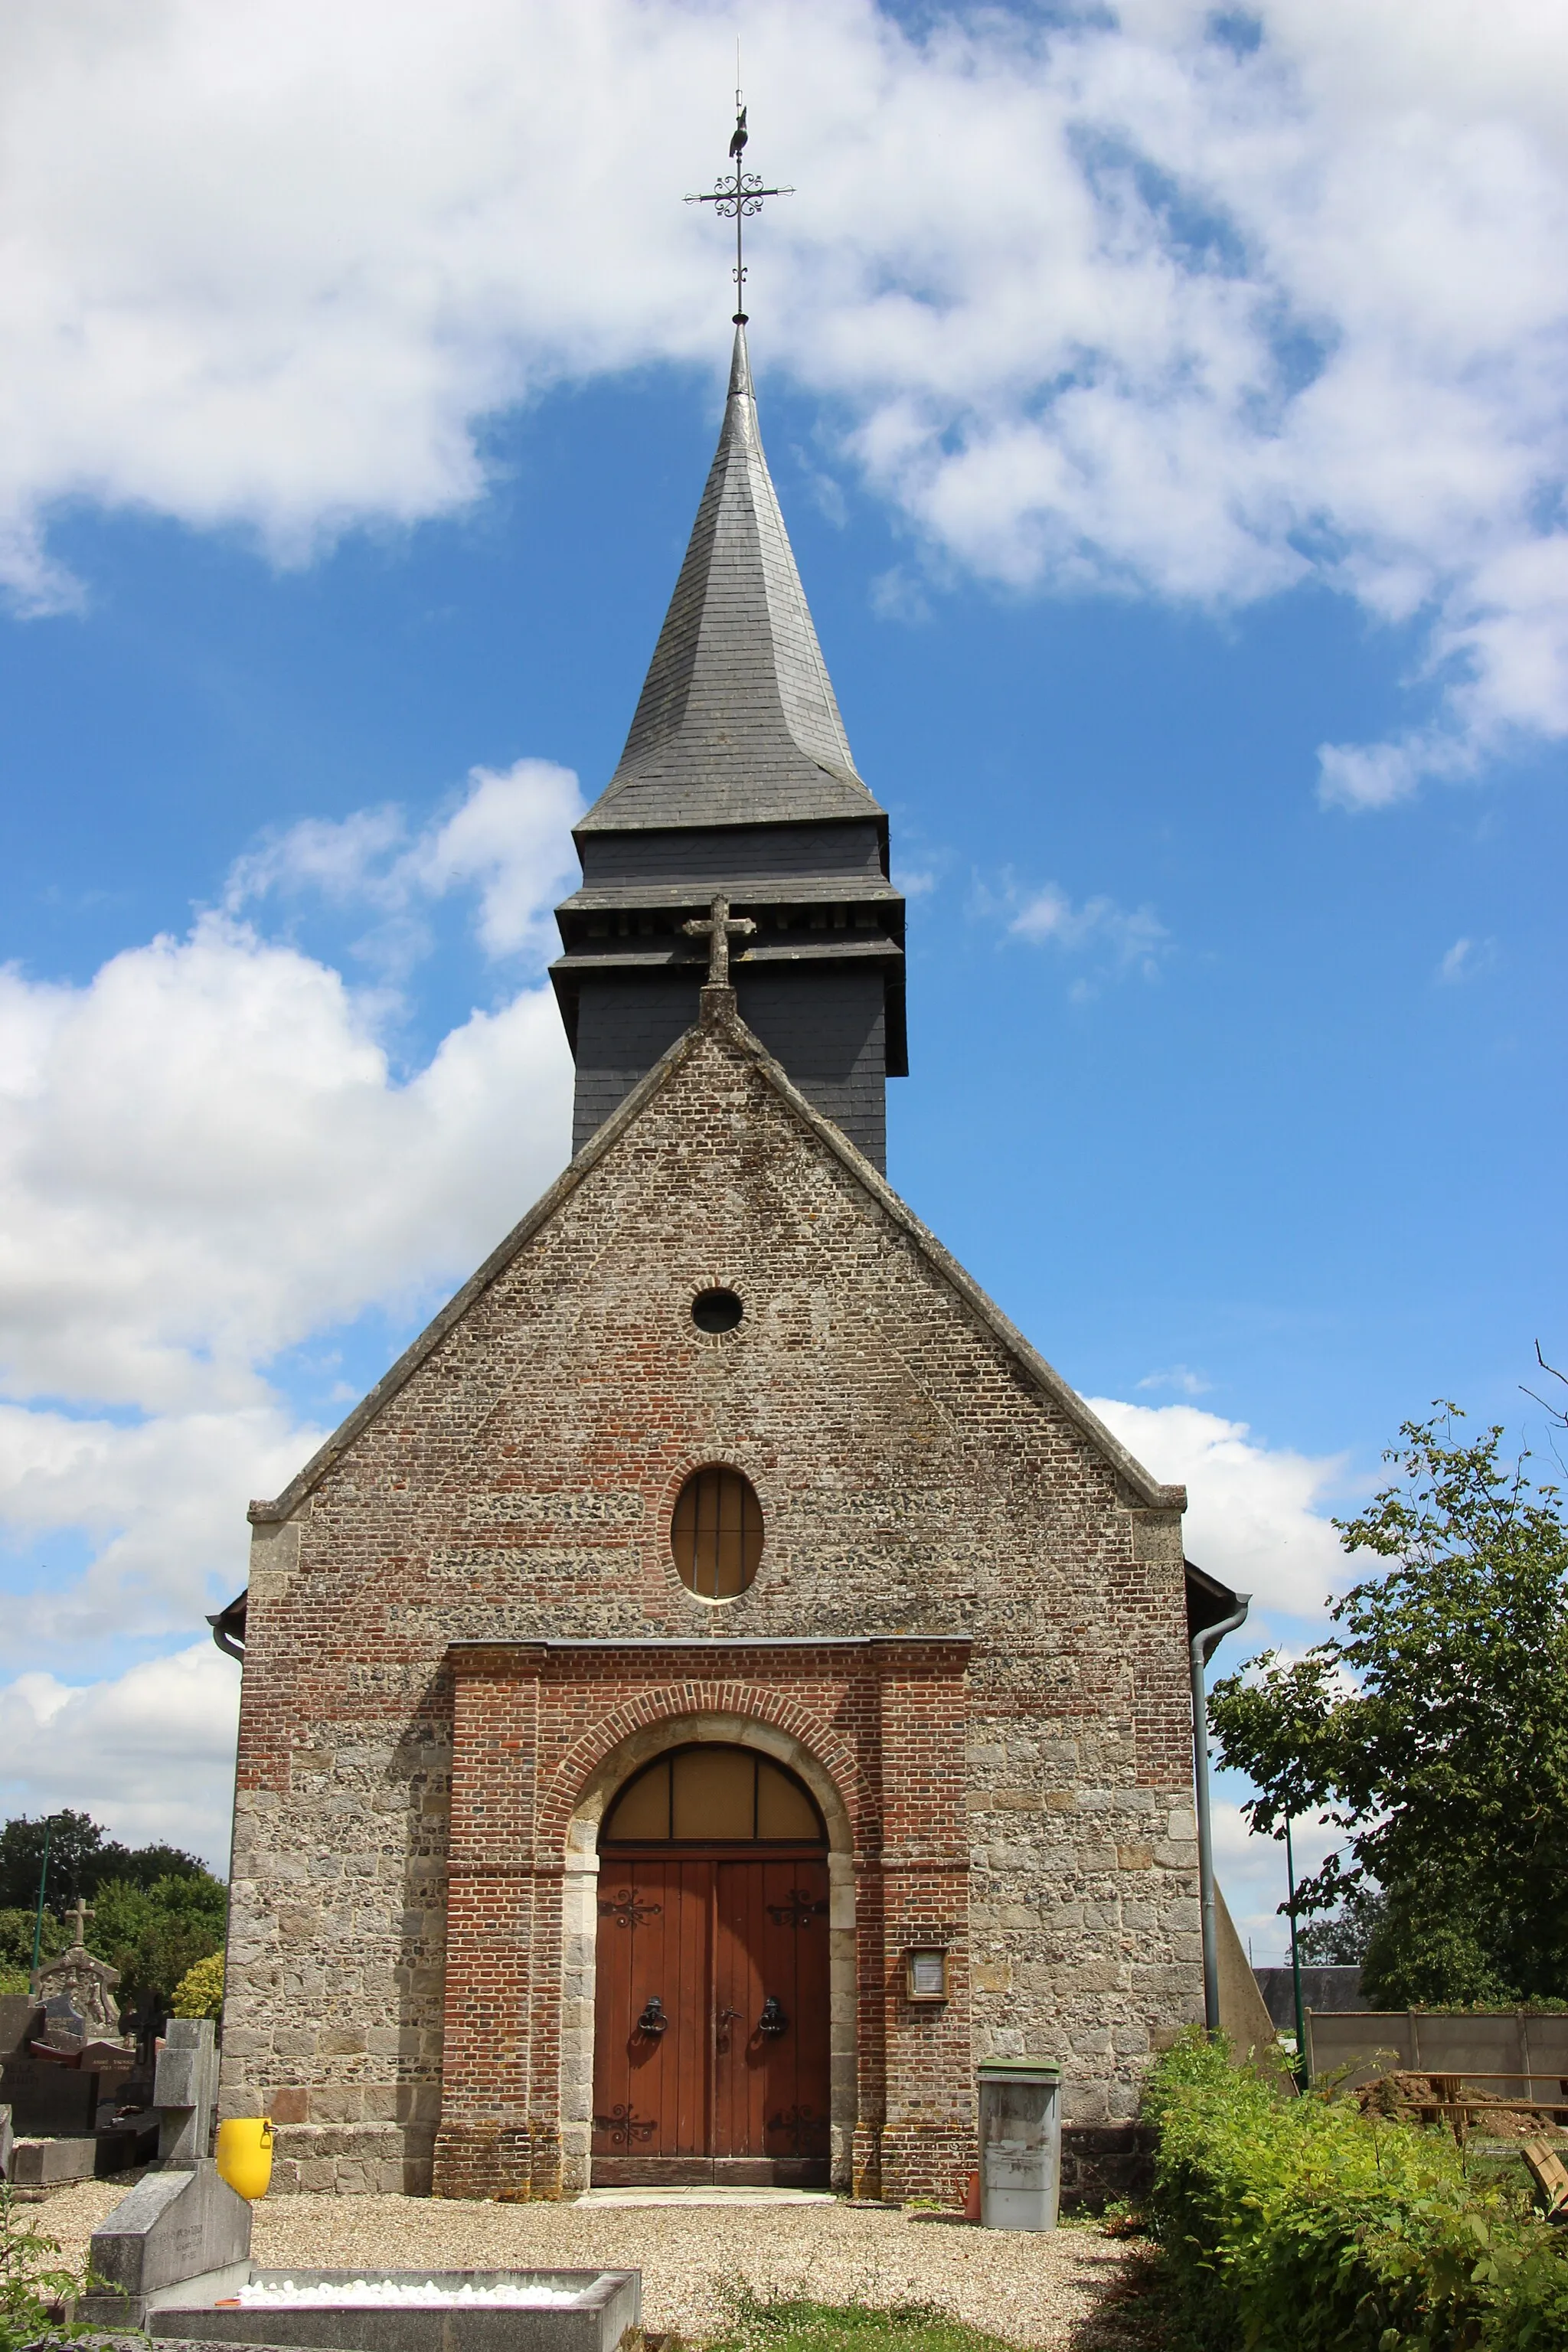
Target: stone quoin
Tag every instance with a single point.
(471, 1951)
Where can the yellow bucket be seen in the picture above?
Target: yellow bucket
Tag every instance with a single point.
(245, 2154)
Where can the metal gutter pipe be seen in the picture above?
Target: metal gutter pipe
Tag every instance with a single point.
(228, 1627)
(1199, 1649)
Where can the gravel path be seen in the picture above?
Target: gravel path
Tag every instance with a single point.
(1038, 2291)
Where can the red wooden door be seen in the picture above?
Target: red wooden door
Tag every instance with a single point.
(696, 2088)
(771, 2014)
(652, 2067)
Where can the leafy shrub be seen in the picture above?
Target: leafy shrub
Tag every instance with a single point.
(199, 1992)
(1302, 2225)
(16, 1928)
(32, 2277)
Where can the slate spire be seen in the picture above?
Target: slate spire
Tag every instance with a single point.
(737, 781)
(737, 722)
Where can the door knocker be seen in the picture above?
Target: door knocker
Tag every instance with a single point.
(772, 2019)
(653, 2019)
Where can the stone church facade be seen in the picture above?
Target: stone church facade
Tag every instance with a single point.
(722, 1683)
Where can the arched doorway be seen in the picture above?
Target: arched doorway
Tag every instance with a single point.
(712, 2003)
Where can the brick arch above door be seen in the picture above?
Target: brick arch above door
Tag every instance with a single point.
(773, 1727)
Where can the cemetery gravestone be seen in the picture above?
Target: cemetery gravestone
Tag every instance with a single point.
(185, 2090)
(77, 1992)
(37, 2165)
(19, 2022)
(184, 2229)
(65, 2027)
(59, 2102)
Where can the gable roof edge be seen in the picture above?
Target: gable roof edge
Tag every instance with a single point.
(1152, 1493)
(305, 1481)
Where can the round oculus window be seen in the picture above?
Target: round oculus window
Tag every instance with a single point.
(716, 1533)
(716, 1310)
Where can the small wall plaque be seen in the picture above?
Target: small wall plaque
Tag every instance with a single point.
(925, 1972)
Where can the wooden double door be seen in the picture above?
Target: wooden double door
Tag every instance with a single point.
(710, 2043)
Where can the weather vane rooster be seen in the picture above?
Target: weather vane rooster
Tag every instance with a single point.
(738, 197)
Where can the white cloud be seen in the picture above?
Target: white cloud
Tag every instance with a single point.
(1240, 317)
(1251, 1874)
(1463, 959)
(163, 1500)
(1251, 1515)
(206, 1157)
(899, 594)
(1129, 938)
(511, 838)
(1178, 1376)
(150, 1754)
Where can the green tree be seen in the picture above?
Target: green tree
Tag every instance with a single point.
(1434, 1731)
(75, 1841)
(154, 1935)
(17, 1946)
(81, 1856)
(1344, 1940)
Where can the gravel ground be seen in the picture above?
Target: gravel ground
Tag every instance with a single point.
(1049, 2291)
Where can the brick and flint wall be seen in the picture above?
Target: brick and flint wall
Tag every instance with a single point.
(966, 1633)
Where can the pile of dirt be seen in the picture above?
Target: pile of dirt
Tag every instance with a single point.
(1444, 2098)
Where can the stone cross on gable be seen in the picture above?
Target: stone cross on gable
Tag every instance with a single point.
(719, 927)
(79, 1917)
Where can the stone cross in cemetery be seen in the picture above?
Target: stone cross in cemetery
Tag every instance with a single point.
(719, 927)
(77, 1990)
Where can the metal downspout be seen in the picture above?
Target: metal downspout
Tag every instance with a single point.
(1199, 1649)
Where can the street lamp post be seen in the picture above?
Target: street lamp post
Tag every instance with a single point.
(43, 1882)
(1295, 1959)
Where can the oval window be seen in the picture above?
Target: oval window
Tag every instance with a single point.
(716, 1534)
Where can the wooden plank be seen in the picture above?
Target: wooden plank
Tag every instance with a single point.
(650, 2090)
(621, 1896)
(738, 1994)
(1548, 2173)
(796, 2065)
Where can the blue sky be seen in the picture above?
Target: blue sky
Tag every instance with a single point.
(1184, 542)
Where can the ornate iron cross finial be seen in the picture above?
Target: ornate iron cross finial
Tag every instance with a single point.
(81, 1915)
(738, 199)
(719, 927)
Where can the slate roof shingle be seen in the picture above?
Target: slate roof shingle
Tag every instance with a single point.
(737, 722)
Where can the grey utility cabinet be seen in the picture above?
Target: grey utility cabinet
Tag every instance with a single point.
(1020, 2142)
